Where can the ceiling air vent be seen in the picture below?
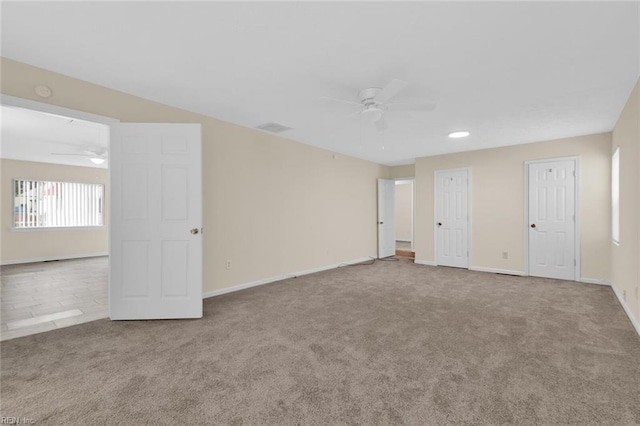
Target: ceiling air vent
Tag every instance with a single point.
(273, 127)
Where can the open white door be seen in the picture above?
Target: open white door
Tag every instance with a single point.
(156, 215)
(452, 218)
(386, 218)
(552, 219)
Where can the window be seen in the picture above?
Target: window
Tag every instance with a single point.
(44, 204)
(615, 196)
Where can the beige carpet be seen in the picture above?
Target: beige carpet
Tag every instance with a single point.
(391, 343)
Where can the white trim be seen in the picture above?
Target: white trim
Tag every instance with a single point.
(595, 281)
(413, 215)
(577, 254)
(425, 262)
(496, 271)
(469, 211)
(50, 258)
(55, 109)
(627, 310)
(58, 228)
(282, 277)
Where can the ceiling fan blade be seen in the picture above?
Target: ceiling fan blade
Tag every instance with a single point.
(426, 106)
(342, 101)
(354, 113)
(390, 90)
(73, 153)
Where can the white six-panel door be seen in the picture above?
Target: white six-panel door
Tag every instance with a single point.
(552, 221)
(386, 218)
(156, 219)
(452, 218)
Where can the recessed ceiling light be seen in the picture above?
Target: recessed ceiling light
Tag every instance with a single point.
(96, 160)
(460, 134)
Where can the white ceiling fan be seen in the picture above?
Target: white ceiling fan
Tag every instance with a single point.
(97, 156)
(374, 103)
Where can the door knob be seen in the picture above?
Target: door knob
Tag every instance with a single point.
(194, 231)
(439, 223)
(533, 225)
(380, 223)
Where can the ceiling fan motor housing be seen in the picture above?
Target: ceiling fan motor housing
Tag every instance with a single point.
(367, 96)
(372, 110)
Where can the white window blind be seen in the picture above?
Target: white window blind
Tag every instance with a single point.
(615, 196)
(45, 204)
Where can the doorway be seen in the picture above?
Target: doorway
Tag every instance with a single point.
(552, 220)
(55, 242)
(451, 230)
(162, 184)
(404, 190)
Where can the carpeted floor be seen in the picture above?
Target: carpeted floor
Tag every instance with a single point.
(391, 343)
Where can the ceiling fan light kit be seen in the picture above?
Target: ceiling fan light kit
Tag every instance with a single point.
(459, 134)
(373, 103)
(97, 157)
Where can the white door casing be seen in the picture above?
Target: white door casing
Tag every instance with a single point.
(386, 218)
(552, 219)
(156, 215)
(452, 218)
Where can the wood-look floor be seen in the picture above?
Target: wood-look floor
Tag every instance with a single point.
(43, 296)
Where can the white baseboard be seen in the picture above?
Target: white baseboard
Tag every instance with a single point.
(50, 258)
(281, 277)
(595, 281)
(496, 271)
(425, 262)
(633, 320)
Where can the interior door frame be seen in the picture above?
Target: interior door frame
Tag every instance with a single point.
(412, 181)
(55, 109)
(80, 115)
(576, 224)
(469, 212)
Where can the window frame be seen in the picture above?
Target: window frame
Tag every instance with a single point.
(15, 228)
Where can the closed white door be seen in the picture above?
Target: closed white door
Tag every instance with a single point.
(452, 218)
(156, 219)
(552, 221)
(386, 218)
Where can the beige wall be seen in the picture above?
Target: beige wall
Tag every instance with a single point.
(404, 171)
(25, 245)
(626, 257)
(404, 205)
(271, 206)
(498, 201)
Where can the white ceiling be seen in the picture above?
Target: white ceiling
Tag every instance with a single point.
(35, 136)
(509, 72)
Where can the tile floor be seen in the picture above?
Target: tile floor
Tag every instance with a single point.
(42, 296)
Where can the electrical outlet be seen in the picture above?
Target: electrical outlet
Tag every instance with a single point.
(505, 254)
(227, 264)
